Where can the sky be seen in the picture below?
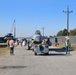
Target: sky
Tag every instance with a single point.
(32, 15)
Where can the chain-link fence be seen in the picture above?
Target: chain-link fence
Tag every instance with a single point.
(61, 39)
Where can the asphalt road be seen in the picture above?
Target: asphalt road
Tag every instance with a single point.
(24, 62)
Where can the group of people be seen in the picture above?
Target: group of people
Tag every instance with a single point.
(22, 42)
(38, 39)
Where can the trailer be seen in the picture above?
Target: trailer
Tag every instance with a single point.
(41, 49)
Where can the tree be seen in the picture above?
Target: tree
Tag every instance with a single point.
(62, 32)
(73, 32)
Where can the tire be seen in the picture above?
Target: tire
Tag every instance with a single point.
(35, 53)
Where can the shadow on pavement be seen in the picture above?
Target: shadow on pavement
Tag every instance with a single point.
(12, 67)
(57, 49)
(55, 52)
(52, 54)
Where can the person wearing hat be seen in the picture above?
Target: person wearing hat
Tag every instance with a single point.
(67, 44)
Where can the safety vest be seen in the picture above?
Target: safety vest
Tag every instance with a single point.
(11, 42)
(67, 43)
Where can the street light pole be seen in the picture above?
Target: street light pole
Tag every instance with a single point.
(67, 12)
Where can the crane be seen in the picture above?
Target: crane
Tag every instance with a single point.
(13, 29)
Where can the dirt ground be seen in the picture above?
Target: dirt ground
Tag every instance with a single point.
(4, 51)
(73, 47)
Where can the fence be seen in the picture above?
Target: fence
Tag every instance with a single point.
(61, 39)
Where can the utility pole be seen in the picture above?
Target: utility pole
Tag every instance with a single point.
(67, 13)
(43, 30)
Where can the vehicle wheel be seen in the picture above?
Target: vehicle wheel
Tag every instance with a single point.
(35, 53)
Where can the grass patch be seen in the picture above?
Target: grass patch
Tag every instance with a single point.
(61, 45)
(4, 51)
(73, 47)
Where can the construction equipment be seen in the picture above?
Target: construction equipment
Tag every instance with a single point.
(13, 30)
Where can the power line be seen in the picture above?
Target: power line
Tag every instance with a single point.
(67, 13)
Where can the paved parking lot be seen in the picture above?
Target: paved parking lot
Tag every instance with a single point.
(24, 62)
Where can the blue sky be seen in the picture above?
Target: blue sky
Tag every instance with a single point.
(34, 14)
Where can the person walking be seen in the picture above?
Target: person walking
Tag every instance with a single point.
(67, 44)
(21, 41)
(11, 43)
(49, 43)
(56, 42)
(28, 43)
